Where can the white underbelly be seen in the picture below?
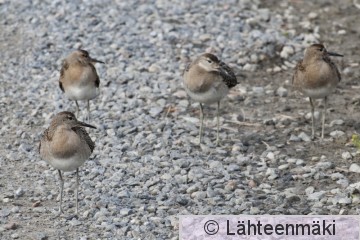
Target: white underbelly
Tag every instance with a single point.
(82, 92)
(213, 95)
(318, 92)
(69, 164)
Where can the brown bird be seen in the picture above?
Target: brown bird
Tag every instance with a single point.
(316, 76)
(207, 80)
(65, 145)
(79, 79)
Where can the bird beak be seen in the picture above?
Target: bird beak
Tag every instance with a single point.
(335, 54)
(82, 124)
(96, 61)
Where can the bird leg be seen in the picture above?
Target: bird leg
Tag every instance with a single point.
(312, 119)
(323, 118)
(77, 109)
(61, 191)
(77, 191)
(88, 109)
(218, 123)
(201, 122)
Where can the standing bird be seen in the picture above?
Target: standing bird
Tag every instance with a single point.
(316, 76)
(65, 145)
(79, 79)
(208, 80)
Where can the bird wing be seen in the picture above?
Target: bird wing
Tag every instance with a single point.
(228, 75)
(97, 79)
(187, 67)
(64, 67)
(298, 68)
(333, 66)
(84, 136)
(46, 137)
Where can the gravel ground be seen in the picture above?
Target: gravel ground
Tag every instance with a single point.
(147, 167)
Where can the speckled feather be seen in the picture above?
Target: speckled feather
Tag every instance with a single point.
(84, 136)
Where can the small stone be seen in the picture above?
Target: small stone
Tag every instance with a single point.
(270, 156)
(36, 204)
(324, 165)
(15, 209)
(19, 192)
(231, 186)
(154, 68)
(254, 210)
(281, 92)
(249, 67)
(346, 156)
(277, 69)
(15, 236)
(312, 15)
(342, 32)
(4, 213)
(155, 111)
(199, 195)
(316, 115)
(303, 136)
(75, 222)
(283, 167)
(354, 168)
(40, 236)
(192, 189)
(258, 90)
(11, 226)
(336, 122)
(336, 176)
(125, 211)
(294, 138)
(286, 52)
(252, 183)
(316, 195)
(345, 200)
(309, 190)
(337, 134)
(299, 162)
(205, 37)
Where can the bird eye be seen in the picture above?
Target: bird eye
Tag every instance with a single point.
(321, 49)
(70, 118)
(209, 61)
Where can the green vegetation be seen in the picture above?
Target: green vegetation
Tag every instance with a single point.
(356, 140)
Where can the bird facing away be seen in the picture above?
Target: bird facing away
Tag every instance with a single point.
(207, 80)
(65, 145)
(79, 79)
(316, 76)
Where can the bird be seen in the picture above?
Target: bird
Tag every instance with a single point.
(316, 76)
(65, 145)
(79, 79)
(207, 80)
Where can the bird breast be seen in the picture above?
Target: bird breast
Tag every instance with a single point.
(200, 83)
(66, 144)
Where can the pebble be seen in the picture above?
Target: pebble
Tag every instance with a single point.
(337, 134)
(346, 156)
(286, 52)
(304, 137)
(75, 222)
(19, 192)
(281, 92)
(316, 196)
(316, 115)
(335, 122)
(354, 168)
